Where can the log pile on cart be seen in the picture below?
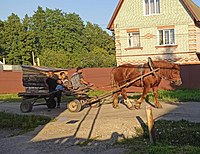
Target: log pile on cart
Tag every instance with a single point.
(34, 79)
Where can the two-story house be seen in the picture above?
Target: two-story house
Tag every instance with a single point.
(161, 29)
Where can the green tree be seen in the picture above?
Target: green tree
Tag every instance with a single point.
(96, 37)
(52, 58)
(12, 39)
(2, 51)
(59, 39)
(38, 26)
(99, 57)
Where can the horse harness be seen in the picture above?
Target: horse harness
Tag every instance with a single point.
(151, 67)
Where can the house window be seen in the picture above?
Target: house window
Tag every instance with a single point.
(152, 7)
(166, 37)
(133, 39)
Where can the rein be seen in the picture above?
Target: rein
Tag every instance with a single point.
(165, 78)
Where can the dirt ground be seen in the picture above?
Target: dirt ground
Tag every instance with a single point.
(97, 128)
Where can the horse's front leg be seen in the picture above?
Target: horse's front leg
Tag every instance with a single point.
(116, 100)
(142, 98)
(127, 102)
(157, 103)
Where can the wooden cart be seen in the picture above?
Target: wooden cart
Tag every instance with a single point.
(34, 76)
(35, 88)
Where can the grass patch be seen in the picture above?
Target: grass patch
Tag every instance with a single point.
(96, 93)
(181, 95)
(9, 97)
(179, 137)
(166, 149)
(178, 133)
(23, 123)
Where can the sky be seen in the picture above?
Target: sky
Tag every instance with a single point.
(95, 11)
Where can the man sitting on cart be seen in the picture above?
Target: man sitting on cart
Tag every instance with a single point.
(63, 85)
(52, 82)
(77, 80)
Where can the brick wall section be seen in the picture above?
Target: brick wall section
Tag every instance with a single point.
(100, 77)
(11, 82)
(190, 76)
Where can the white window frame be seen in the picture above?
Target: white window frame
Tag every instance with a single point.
(130, 38)
(163, 37)
(157, 10)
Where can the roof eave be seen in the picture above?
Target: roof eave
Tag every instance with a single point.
(192, 7)
(111, 23)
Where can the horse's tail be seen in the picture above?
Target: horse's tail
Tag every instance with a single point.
(113, 82)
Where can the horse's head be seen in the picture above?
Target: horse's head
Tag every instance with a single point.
(169, 71)
(175, 76)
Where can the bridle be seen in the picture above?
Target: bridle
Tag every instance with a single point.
(152, 67)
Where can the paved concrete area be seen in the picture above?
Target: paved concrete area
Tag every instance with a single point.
(103, 126)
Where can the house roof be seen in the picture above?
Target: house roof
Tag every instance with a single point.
(190, 5)
(193, 8)
(110, 25)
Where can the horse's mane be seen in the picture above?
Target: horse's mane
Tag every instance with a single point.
(162, 64)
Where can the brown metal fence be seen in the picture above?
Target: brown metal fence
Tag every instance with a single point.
(11, 82)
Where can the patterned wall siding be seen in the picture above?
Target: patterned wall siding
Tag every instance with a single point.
(198, 39)
(131, 15)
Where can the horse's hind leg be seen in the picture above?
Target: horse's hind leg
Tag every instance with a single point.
(157, 103)
(116, 100)
(142, 98)
(127, 102)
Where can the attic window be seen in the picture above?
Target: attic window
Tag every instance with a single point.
(152, 7)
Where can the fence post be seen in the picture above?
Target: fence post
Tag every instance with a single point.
(150, 122)
(4, 61)
(38, 62)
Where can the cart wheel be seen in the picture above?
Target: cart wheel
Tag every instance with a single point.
(26, 107)
(74, 106)
(51, 103)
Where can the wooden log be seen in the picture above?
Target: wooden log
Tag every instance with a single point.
(34, 80)
(34, 75)
(32, 84)
(150, 122)
(36, 90)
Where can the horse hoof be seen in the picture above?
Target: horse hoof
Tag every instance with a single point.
(159, 107)
(116, 106)
(131, 108)
(137, 107)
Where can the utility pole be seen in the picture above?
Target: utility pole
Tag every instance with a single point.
(33, 57)
(4, 61)
(38, 61)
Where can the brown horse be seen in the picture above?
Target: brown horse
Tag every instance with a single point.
(127, 72)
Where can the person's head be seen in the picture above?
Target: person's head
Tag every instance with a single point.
(79, 69)
(62, 75)
(50, 74)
